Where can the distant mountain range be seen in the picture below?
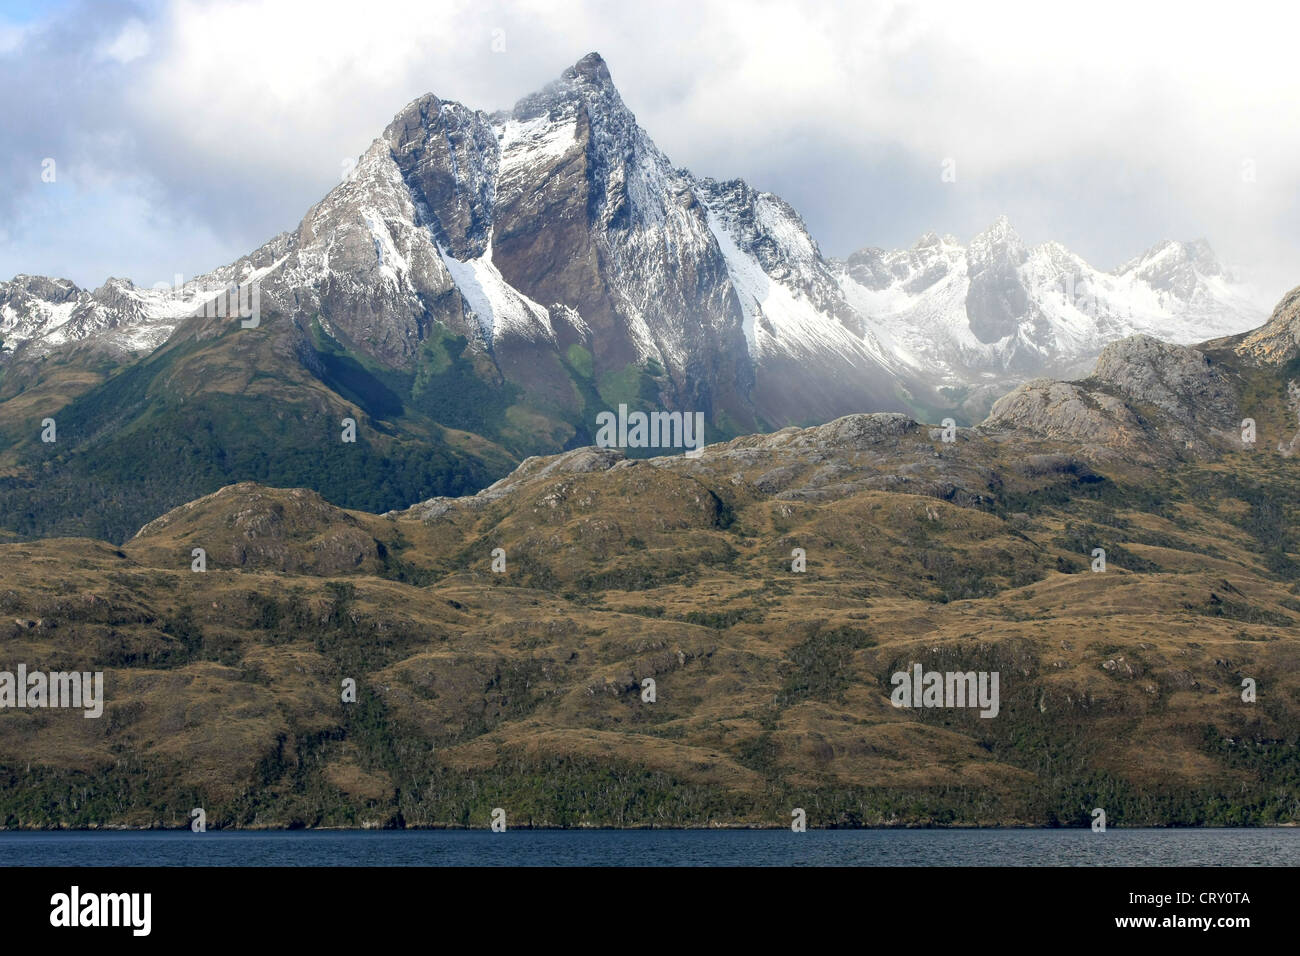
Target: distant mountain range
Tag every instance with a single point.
(486, 284)
(996, 311)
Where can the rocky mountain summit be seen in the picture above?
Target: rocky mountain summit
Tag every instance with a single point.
(558, 240)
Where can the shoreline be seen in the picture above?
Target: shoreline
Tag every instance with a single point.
(629, 829)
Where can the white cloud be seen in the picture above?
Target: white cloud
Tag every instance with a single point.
(11, 37)
(1108, 125)
(130, 44)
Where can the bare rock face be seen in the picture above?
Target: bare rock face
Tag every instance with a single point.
(579, 461)
(868, 268)
(1291, 446)
(1064, 411)
(1278, 340)
(851, 431)
(448, 157)
(1145, 397)
(1182, 382)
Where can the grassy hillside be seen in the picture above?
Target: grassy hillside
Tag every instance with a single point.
(204, 412)
(522, 689)
(217, 406)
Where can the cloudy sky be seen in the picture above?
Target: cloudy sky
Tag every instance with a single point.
(185, 133)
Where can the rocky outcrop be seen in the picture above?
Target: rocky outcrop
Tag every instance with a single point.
(250, 527)
(1182, 382)
(1144, 398)
(1065, 411)
(1278, 340)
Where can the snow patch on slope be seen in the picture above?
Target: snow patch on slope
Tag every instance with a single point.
(751, 283)
(534, 141)
(775, 317)
(497, 305)
(391, 262)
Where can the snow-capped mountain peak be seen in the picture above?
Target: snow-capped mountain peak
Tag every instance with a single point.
(558, 225)
(998, 310)
(1000, 238)
(39, 315)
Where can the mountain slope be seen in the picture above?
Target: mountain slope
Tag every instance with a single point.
(1276, 342)
(1158, 402)
(522, 688)
(770, 589)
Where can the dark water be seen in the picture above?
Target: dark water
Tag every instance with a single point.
(656, 848)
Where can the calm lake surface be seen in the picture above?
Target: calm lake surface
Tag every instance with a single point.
(1274, 847)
